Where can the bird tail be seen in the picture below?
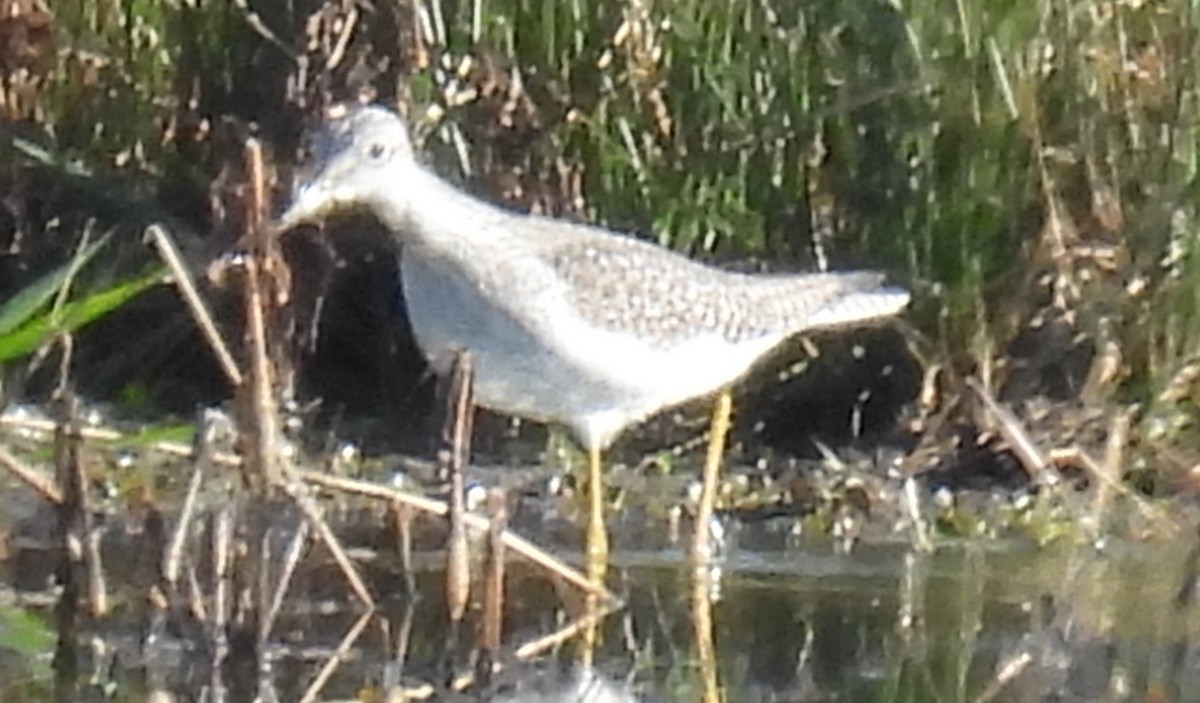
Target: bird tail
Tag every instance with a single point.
(857, 307)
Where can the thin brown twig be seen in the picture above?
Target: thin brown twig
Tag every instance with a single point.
(37, 424)
(313, 513)
(222, 560)
(1023, 446)
(185, 283)
(70, 533)
(196, 601)
(174, 554)
(290, 561)
(544, 644)
(173, 448)
(202, 453)
(335, 659)
(97, 585)
(39, 483)
(400, 518)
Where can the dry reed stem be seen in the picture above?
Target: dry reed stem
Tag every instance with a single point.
(262, 466)
(81, 539)
(453, 457)
(493, 590)
(557, 638)
(1035, 461)
(174, 555)
(185, 283)
(290, 562)
(335, 659)
(202, 454)
(325, 533)
(42, 485)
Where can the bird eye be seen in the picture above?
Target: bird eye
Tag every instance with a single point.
(376, 151)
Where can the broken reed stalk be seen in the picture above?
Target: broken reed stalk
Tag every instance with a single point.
(454, 451)
(453, 456)
(260, 418)
(69, 457)
(71, 533)
(493, 588)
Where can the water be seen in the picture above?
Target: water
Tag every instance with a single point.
(972, 621)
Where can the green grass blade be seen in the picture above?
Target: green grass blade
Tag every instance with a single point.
(21, 308)
(75, 315)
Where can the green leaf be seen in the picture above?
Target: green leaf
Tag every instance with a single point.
(20, 308)
(75, 315)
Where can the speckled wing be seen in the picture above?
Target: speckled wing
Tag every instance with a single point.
(623, 284)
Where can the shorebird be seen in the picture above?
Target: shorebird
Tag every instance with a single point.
(567, 323)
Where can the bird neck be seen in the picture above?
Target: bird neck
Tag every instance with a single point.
(433, 213)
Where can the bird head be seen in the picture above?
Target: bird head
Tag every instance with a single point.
(357, 159)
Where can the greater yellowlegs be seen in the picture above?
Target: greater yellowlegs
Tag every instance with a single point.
(565, 323)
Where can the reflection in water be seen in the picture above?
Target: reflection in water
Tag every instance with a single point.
(702, 624)
(966, 622)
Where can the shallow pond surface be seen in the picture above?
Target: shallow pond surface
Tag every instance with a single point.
(260, 609)
(971, 621)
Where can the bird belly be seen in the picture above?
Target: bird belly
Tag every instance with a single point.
(541, 361)
(650, 378)
(517, 370)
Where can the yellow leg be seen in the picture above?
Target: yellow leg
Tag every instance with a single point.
(596, 552)
(702, 620)
(701, 547)
(597, 534)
